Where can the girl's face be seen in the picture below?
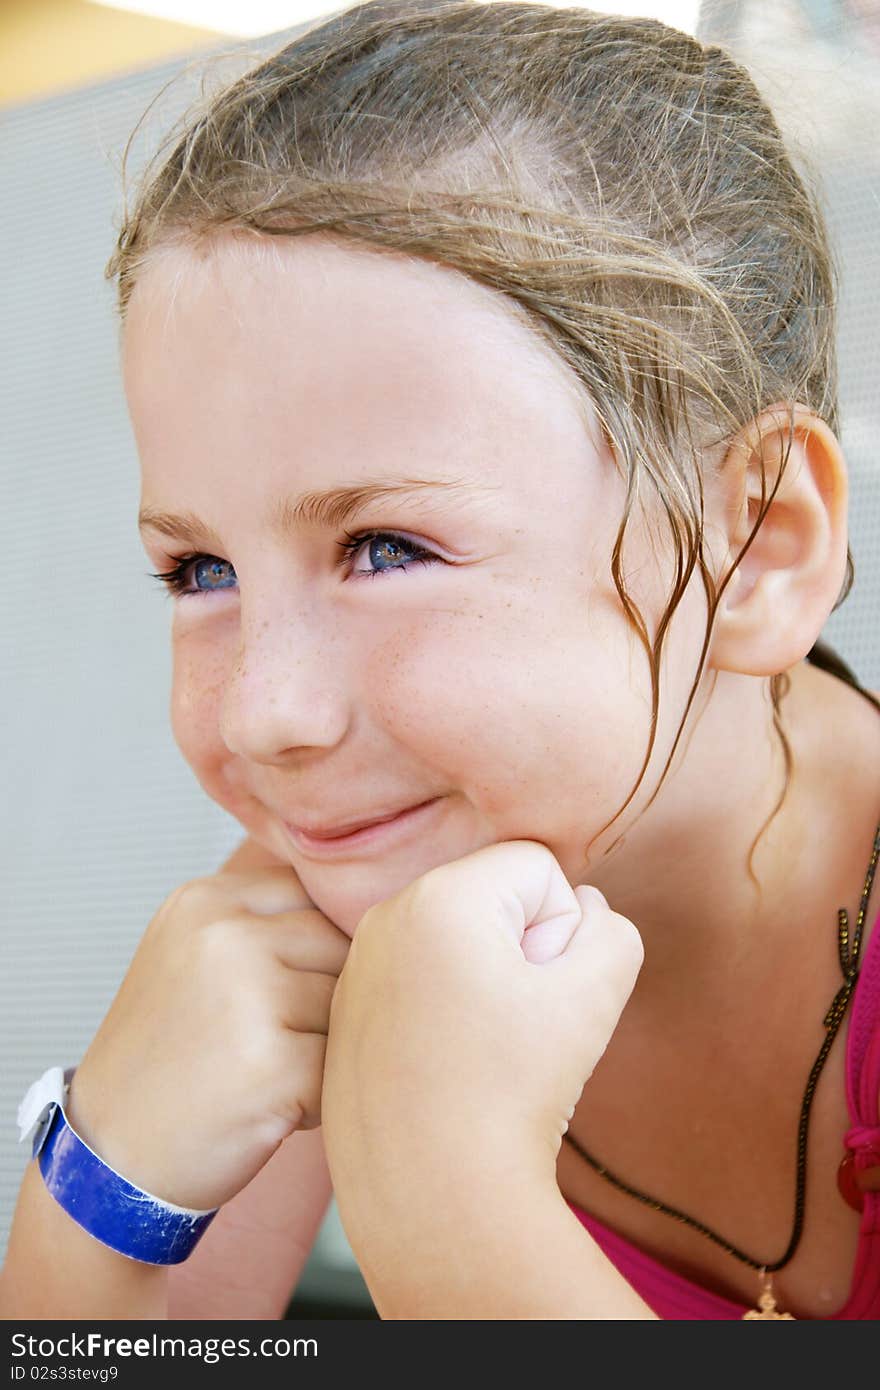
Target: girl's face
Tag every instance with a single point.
(467, 647)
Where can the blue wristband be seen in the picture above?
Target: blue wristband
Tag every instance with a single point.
(114, 1211)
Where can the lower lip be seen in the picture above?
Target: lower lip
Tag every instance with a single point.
(371, 836)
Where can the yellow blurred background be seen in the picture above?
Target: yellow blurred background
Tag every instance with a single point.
(52, 46)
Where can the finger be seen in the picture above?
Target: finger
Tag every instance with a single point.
(560, 916)
(303, 1003)
(517, 884)
(607, 946)
(295, 1093)
(302, 940)
(265, 890)
(313, 1049)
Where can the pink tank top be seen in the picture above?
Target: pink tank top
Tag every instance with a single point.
(670, 1295)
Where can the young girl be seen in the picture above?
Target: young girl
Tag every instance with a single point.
(480, 360)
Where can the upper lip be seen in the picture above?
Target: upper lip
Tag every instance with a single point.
(329, 832)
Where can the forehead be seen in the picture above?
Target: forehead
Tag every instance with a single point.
(317, 305)
(267, 367)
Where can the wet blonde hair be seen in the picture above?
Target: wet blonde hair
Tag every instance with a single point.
(623, 185)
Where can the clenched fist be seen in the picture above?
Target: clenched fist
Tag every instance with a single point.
(472, 1009)
(212, 1051)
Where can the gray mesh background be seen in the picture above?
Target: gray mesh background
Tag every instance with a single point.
(101, 817)
(820, 71)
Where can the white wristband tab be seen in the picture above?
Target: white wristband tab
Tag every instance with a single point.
(114, 1211)
(49, 1089)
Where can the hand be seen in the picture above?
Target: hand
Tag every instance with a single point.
(212, 1052)
(472, 1008)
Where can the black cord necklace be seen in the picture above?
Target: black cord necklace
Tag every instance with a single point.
(848, 952)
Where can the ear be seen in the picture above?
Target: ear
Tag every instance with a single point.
(782, 590)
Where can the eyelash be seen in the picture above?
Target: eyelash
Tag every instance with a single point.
(175, 582)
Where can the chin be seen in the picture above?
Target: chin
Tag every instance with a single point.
(344, 892)
(341, 904)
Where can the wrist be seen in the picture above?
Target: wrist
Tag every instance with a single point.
(414, 1202)
(54, 1270)
(126, 1218)
(108, 1131)
(153, 1152)
(476, 1251)
(516, 1253)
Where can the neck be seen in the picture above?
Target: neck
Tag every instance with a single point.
(711, 932)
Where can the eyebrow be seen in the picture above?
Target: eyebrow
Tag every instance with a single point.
(331, 508)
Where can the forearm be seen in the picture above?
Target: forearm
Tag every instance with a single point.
(245, 1265)
(506, 1250)
(249, 1260)
(55, 1269)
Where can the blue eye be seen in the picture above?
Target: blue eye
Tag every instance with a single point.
(176, 579)
(387, 549)
(388, 542)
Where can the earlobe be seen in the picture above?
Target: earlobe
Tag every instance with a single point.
(788, 577)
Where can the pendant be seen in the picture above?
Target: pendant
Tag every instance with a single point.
(766, 1308)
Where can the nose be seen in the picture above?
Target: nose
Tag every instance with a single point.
(287, 688)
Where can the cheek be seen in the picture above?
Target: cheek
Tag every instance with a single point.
(517, 707)
(197, 690)
(196, 693)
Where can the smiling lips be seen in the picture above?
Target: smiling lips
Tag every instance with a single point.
(349, 827)
(359, 831)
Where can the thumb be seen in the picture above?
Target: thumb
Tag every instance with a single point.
(559, 915)
(589, 985)
(605, 946)
(547, 939)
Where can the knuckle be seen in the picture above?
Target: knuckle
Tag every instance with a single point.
(629, 942)
(222, 937)
(274, 1126)
(227, 955)
(289, 1111)
(416, 902)
(376, 921)
(424, 896)
(195, 899)
(300, 1103)
(175, 900)
(202, 889)
(366, 921)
